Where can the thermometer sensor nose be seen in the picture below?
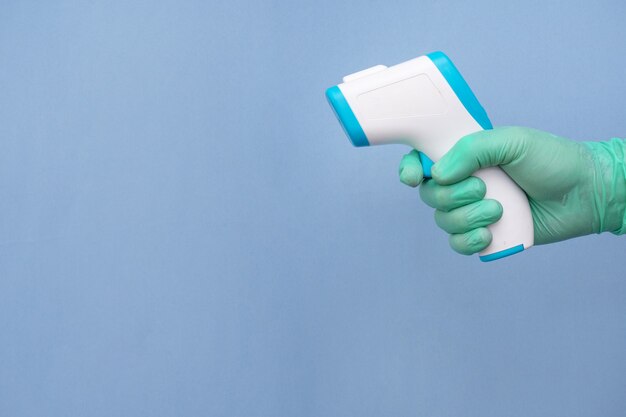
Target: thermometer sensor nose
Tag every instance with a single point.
(346, 116)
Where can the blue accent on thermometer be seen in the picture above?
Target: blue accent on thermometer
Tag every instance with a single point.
(502, 253)
(427, 164)
(461, 88)
(346, 117)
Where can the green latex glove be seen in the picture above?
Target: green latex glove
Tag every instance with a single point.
(574, 188)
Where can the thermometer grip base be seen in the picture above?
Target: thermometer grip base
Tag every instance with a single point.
(514, 232)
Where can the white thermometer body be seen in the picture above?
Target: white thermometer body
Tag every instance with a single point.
(425, 103)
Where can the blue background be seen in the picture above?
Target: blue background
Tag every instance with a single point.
(186, 231)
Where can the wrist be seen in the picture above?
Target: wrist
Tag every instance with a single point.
(609, 184)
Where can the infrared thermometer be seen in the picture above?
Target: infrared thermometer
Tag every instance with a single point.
(425, 103)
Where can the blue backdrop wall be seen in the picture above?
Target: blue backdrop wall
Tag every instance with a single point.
(186, 231)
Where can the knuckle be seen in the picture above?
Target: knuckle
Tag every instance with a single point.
(465, 143)
(515, 136)
(516, 131)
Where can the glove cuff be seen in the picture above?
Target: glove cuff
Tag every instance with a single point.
(620, 172)
(610, 184)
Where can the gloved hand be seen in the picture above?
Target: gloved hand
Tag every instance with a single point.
(574, 188)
